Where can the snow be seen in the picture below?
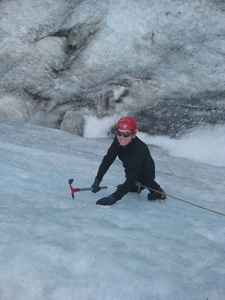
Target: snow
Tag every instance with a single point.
(160, 51)
(53, 247)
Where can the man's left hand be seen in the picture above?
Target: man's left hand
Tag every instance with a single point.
(107, 200)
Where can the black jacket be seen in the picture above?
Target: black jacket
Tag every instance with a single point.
(137, 161)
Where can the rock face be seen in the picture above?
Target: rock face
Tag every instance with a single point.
(160, 61)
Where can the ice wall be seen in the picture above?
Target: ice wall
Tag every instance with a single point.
(159, 61)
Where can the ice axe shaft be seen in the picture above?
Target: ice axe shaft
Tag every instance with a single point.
(75, 190)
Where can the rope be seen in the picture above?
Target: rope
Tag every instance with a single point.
(139, 185)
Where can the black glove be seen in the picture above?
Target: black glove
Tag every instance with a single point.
(95, 186)
(107, 200)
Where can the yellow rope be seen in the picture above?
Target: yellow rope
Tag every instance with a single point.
(139, 185)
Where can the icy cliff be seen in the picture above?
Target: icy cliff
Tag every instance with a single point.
(161, 61)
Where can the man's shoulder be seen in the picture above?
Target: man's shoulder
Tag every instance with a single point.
(140, 145)
(114, 145)
(138, 141)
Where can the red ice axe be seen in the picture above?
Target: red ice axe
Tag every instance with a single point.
(75, 190)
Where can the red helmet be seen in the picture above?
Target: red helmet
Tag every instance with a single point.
(127, 123)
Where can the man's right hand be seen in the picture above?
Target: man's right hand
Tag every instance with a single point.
(95, 186)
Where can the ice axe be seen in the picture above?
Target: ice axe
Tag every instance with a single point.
(74, 190)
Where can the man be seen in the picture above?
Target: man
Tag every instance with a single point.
(137, 162)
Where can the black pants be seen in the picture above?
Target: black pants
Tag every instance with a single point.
(152, 185)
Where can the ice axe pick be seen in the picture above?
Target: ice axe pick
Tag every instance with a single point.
(75, 190)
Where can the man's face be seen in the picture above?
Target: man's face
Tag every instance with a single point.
(125, 136)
